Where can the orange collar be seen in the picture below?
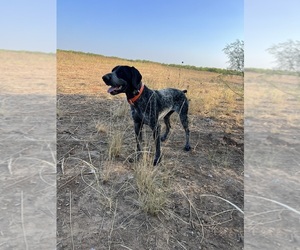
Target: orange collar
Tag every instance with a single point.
(134, 99)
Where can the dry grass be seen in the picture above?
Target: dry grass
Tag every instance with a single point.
(27, 73)
(115, 145)
(209, 93)
(271, 97)
(153, 185)
(121, 111)
(101, 127)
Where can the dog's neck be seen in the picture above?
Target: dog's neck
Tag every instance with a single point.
(135, 96)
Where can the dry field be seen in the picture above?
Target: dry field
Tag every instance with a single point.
(192, 200)
(27, 149)
(272, 161)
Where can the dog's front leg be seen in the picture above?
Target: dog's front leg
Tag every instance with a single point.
(138, 136)
(156, 135)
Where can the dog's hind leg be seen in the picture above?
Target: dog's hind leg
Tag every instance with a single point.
(185, 123)
(168, 125)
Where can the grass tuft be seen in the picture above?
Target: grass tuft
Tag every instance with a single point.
(152, 185)
(115, 144)
(101, 127)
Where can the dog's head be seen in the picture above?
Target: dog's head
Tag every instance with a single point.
(122, 79)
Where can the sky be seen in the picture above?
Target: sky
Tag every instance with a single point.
(170, 31)
(192, 31)
(28, 25)
(268, 22)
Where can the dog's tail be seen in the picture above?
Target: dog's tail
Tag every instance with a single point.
(184, 91)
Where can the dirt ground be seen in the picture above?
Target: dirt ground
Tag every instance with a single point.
(272, 159)
(98, 198)
(99, 203)
(27, 146)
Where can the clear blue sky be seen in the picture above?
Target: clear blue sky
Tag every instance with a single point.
(269, 22)
(28, 25)
(170, 31)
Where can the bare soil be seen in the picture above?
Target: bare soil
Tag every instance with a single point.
(27, 146)
(272, 159)
(98, 204)
(98, 200)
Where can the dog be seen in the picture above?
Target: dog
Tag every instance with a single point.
(149, 106)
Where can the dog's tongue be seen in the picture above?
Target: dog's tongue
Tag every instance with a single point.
(111, 89)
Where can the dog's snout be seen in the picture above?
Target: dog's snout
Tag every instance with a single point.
(106, 78)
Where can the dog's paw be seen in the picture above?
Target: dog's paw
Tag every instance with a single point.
(187, 148)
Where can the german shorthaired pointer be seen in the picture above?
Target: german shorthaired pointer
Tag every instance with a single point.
(149, 106)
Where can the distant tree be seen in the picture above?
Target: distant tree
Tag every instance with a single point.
(235, 54)
(287, 55)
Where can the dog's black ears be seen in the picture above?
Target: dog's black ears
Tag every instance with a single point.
(136, 78)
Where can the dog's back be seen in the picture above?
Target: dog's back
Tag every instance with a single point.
(172, 98)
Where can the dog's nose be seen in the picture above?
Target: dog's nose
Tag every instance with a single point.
(106, 77)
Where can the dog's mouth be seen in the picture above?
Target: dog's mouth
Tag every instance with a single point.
(116, 84)
(115, 90)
